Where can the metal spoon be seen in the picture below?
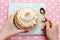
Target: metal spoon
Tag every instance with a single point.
(42, 11)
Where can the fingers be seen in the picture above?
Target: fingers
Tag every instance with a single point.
(47, 25)
(52, 23)
(19, 31)
(22, 31)
(45, 20)
(43, 28)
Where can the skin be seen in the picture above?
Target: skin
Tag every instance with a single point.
(51, 30)
(9, 29)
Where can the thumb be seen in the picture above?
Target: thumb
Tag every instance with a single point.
(20, 31)
(16, 32)
(47, 26)
(44, 28)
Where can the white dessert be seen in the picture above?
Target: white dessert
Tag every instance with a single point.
(27, 17)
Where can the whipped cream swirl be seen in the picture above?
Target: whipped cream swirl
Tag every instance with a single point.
(27, 16)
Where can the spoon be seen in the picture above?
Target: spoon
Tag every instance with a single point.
(42, 11)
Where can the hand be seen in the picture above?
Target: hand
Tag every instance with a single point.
(51, 30)
(9, 28)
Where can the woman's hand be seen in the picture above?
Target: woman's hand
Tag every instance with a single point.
(51, 30)
(9, 29)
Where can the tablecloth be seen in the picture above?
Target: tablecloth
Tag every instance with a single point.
(52, 12)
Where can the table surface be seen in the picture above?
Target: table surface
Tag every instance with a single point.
(52, 12)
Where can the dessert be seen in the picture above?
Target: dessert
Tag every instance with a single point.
(26, 18)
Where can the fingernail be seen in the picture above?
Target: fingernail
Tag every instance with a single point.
(26, 31)
(46, 19)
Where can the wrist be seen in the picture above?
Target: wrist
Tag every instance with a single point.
(2, 36)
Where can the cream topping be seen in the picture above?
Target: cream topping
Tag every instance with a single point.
(27, 16)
